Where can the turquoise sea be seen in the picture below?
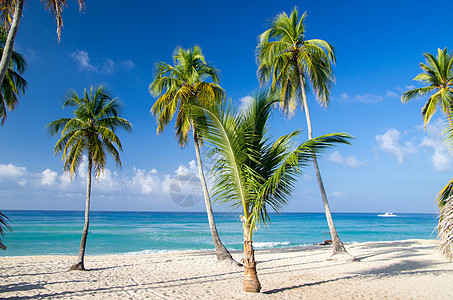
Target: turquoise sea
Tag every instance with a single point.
(59, 232)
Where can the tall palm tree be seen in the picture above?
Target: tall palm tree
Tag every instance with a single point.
(176, 87)
(11, 22)
(293, 64)
(92, 132)
(4, 225)
(14, 84)
(252, 173)
(437, 75)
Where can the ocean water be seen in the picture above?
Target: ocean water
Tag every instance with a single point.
(59, 232)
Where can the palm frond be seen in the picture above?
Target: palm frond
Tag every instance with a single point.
(91, 131)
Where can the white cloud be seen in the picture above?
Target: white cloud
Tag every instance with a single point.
(391, 94)
(410, 87)
(128, 190)
(82, 58)
(146, 182)
(338, 194)
(365, 98)
(109, 66)
(245, 102)
(128, 64)
(48, 177)
(11, 170)
(442, 159)
(350, 161)
(390, 142)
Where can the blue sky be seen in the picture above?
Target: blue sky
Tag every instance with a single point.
(393, 164)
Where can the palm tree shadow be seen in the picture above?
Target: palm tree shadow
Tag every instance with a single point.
(275, 291)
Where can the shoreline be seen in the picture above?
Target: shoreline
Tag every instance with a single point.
(404, 269)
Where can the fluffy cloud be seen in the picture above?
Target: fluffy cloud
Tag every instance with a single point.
(48, 177)
(350, 161)
(137, 187)
(244, 102)
(10, 170)
(109, 66)
(442, 159)
(83, 60)
(390, 143)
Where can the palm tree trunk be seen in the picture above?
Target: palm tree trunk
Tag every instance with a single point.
(251, 282)
(338, 247)
(79, 264)
(221, 252)
(9, 45)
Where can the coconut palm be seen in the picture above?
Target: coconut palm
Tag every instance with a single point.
(437, 75)
(293, 64)
(90, 132)
(176, 87)
(4, 225)
(14, 84)
(10, 15)
(250, 172)
(445, 203)
(445, 226)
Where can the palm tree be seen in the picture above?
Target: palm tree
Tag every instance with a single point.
(437, 75)
(176, 87)
(4, 225)
(293, 64)
(445, 226)
(11, 20)
(251, 173)
(90, 132)
(14, 83)
(445, 203)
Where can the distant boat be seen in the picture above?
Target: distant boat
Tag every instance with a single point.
(387, 214)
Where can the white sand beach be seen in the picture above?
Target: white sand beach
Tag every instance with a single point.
(409, 269)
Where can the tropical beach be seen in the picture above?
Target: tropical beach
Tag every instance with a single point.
(286, 153)
(407, 269)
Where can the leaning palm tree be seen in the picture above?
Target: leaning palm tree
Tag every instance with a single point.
(177, 87)
(10, 15)
(14, 84)
(90, 132)
(4, 225)
(437, 75)
(293, 64)
(445, 203)
(251, 173)
(445, 226)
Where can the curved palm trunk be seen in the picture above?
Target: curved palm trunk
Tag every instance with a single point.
(338, 247)
(251, 282)
(221, 252)
(79, 265)
(9, 45)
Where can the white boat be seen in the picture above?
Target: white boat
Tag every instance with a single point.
(387, 214)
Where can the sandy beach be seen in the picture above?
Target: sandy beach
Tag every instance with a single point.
(409, 269)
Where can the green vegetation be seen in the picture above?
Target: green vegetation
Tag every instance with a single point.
(4, 225)
(90, 132)
(177, 87)
(251, 172)
(293, 64)
(10, 15)
(437, 75)
(13, 85)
